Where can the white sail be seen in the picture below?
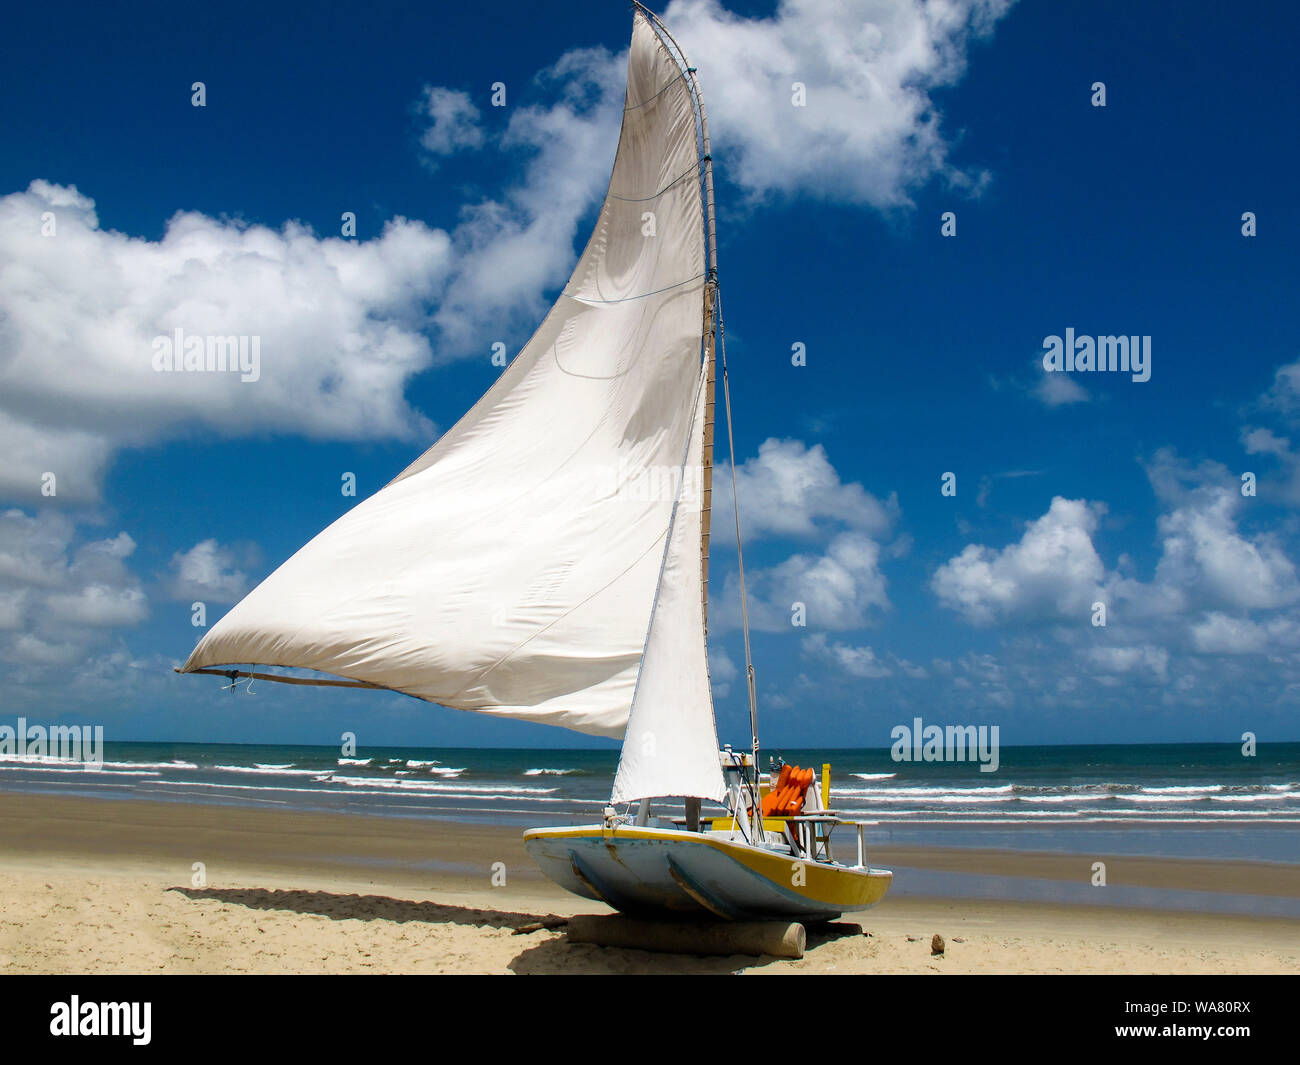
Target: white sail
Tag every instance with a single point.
(671, 744)
(513, 567)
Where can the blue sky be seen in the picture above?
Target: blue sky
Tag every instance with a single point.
(923, 351)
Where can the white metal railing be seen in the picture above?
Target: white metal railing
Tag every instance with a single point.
(806, 826)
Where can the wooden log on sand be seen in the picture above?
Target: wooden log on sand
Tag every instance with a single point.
(780, 939)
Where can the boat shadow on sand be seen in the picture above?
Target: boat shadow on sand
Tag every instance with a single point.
(558, 955)
(553, 954)
(341, 907)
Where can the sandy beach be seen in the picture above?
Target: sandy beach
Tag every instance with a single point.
(95, 886)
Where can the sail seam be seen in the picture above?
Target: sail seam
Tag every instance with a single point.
(651, 99)
(640, 296)
(478, 678)
(675, 181)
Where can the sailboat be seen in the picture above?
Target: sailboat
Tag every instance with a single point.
(547, 559)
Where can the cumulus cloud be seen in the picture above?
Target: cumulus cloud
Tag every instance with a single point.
(870, 132)
(1223, 596)
(1146, 661)
(1205, 559)
(1265, 442)
(790, 489)
(1218, 633)
(1053, 570)
(59, 600)
(338, 323)
(1222, 634)
(453, 121)
(1283, 396)
(207, 572)
(836, 590)
(1281, 402)
(1217, 589)
(855, 661)
(859, 661)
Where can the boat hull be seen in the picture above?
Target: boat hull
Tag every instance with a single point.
(671, 873)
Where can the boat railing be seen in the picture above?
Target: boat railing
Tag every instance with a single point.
(815, 845)
(811, 842)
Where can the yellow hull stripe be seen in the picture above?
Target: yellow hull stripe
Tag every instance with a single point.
(837, 885)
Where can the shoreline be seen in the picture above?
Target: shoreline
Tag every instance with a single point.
(305, 841)
(102, 886)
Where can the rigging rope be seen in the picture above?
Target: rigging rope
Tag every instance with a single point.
(740, 553)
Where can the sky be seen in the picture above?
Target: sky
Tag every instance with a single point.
(963, 181)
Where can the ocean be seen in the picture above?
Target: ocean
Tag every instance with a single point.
(1163, 800)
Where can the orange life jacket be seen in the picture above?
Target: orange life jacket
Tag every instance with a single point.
(775, 792)
(787, 796)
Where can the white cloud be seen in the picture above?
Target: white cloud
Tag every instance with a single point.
(1209, 579)
(1209, 560)
(1283, 396)
(1053, 570)
(790, 489)
(860, 661)
(1058, 390)
(1051, 388)
(59, 601)
(207, 572)
(1219, 633)
(855, 661)
(338, 323)
(838, 589)
(1266, 442)
(1205, 559)
(1281, 400)
(870, 132)
(1130, 661)
(453, 121)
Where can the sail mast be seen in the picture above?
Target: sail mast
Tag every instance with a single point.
(710, 337)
